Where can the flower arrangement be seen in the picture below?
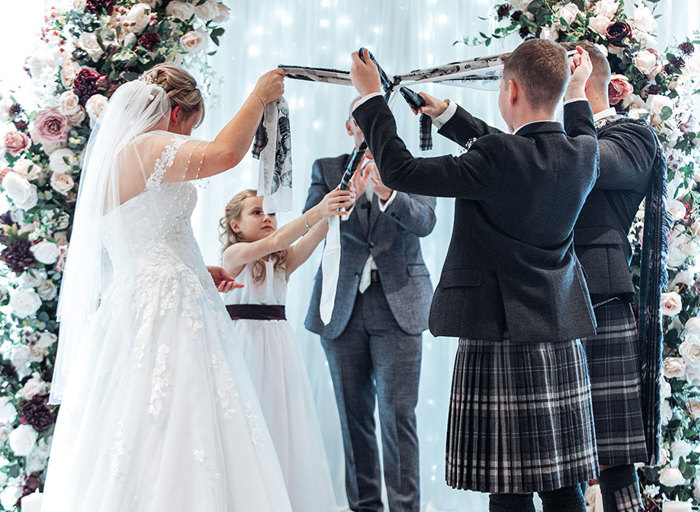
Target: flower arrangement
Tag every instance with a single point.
(88, 48)
(661, 88)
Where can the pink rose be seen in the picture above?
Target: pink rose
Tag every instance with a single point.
(50, 127)
(619, 89)
(16, 142)
(674, 368)
(671, 303)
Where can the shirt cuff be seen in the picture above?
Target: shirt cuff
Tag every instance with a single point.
(383, 205)
(571, 100)
(346, 215)
(365, 98)
(440, 120)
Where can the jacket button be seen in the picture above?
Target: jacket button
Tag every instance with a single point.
(371, 245)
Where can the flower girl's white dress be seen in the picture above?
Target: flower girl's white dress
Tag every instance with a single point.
(279, 374)
(167, 420)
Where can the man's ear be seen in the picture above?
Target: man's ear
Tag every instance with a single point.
(513, 92)
(348, 127)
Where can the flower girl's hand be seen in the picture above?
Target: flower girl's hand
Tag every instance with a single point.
(336, 202)
(223, 281)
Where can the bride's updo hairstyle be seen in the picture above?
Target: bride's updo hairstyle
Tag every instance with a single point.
(181, 88)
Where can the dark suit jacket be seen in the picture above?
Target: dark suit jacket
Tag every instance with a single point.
(627, 153)
(393, 239)
(511, 265)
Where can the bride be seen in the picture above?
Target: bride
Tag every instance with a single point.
(158, 411)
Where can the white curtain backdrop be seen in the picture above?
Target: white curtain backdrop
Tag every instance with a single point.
(404, 35)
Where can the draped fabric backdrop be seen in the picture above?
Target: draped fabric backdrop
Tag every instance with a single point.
(403, 35)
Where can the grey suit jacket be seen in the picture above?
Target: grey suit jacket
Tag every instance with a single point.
(393, 239)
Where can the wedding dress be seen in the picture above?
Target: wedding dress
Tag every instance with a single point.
(158, 410)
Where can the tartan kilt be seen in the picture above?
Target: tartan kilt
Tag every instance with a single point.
(614, 369)
(520, 417)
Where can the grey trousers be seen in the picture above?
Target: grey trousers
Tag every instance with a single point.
(375, 360)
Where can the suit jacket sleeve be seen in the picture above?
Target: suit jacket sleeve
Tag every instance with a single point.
(627, 153)
(462, 127)
(473, 175)
(318, 187)
(413, 213)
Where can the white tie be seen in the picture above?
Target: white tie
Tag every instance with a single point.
(330, 268)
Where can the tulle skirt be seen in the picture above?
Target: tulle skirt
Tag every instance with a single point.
(160, 413)
(277, 368)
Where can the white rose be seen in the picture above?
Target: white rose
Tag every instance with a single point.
(20, 356)
(77, 118)
(664, 455)
(645, 61)
(22, 440)
(23, 194)
(665, 389)
(658, 102)
(27, 169)
(693, 325)
(69, 71)
(9, 496)
(8, 413)
(39, 457)
(687, 277)
(696, 488)
(223, 13)
(33, 277)
(606, 8)
(63, 160)
(88, 42)
(95, 106)
(34, 386)
(24, 302)
(676, 257)
(692, 375)
(180, 10)
(207, 11)
(676, 209)
(602, 49)
(671, 303)
(137, 18)
(690, 350)
(46, 339)
(193, 41)
(694, 407)
(671, 477)
(45, 252)
(568, 11)
(42, 61)
(634, 101)
(151, 3)
(680, 449)
(599, 25)
(47, 291)
(674, 368)
(4, 435)
(62, 183)
(643, 19)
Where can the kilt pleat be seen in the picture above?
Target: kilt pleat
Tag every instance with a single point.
(520, 417)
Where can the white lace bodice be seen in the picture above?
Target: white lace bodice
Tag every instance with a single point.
(272, 291)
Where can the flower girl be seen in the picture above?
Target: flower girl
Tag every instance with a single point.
(262, 257)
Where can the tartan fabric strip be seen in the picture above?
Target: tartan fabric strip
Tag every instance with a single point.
(614, 369)
(628, 499)
(520, 417)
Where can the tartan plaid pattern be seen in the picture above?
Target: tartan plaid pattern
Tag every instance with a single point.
(628, 499)
(614, 369)
(426, 134)
(520, 417)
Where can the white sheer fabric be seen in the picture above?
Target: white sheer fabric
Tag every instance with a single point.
(404, 35)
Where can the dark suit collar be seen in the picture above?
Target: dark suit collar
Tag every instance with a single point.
(540, 127)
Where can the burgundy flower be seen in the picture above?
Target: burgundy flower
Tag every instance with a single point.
(524, 32)
(18, 256)
(503, 11)
(21, 125)
(30, 486)
(8, 372)
(6, 218)
(99, 6)
(88, 83)
(149, 40)
(687, 48)
(15, 109)
(677, 62)
(515, 17)
(37, 413)
(617, 32)
(654, 89)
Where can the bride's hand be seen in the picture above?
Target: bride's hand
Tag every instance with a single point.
(336, 202)
(270, 86)
(223, 281)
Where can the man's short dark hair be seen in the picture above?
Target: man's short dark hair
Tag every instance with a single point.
(541, 68)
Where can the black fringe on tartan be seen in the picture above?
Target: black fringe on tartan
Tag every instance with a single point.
(260, 140)
(653, 281)
(426, 134)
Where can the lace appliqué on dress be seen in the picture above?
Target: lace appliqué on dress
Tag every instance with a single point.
(159, 382)
(164, 163)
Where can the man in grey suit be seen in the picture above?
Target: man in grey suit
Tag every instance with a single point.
(373, 340)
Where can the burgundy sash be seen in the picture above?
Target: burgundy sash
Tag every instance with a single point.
(256, 312)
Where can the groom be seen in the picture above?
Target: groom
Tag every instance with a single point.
(373, 340)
